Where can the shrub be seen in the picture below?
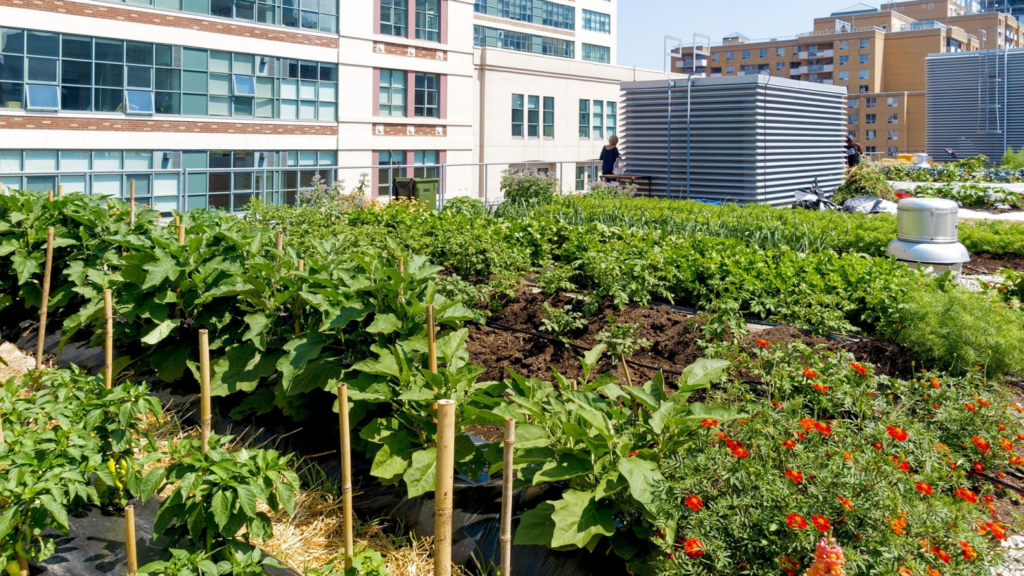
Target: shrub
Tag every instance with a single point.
(1013, 160)
(528, 186)
(602, 190)
(466, 205)
(864, 180)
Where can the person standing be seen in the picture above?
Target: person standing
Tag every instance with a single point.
(609, 155)
(853, 152)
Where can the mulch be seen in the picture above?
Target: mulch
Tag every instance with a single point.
(993, 263)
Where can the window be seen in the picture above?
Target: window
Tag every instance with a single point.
(730, 69)
(533, 117)
(844, 44)
(892, 119)
(245, 86)
(854, 102)
(518, 111)
(611, 124)
(864, 58)
(592, 53)
(549, 117)
(852, 134)
(523, 42)
(864, 74)
(853, 119)
(584, 118)
(598, 123)
(426, 164)
(534, 11)
(597, 22)
(893, 101)
(762, 53)
(863, 89)
(581, 178)
(870, 149)
(385, 174)
(392, 93)
(393, 17)
(716, 56)
(730, 55)
(892, 135)
(865, 43)
(844, 74)
(870, 118)
(310, 14)
(40, 97)
(780, 66)
(870, 102)
(870, 135)
(428, 96)
(139, 102)
(844, 60)
(428, 20)
(746, 55)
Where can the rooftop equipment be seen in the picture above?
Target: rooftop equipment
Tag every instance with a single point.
(743, 139)
(926, 235)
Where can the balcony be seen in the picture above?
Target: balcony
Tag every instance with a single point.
(816, 54)
(816, 69)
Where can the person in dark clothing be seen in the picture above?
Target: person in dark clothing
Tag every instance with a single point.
(609, 155)
(853, 152)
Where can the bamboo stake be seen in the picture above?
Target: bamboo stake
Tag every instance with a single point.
(204, 383)
(346, 471)
(181, 235)
(45, 304)
(177, 221)
(23, 566)
(1, 428)
(129, 528)
(443, 486)
(108, 347)
(431, 341)
(508, 475)
(131, 204)
(280, 240)
(49, 195)
(629, 382)
(60, 190)
(298, 301)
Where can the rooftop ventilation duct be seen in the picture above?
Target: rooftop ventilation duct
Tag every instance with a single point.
(926, 235)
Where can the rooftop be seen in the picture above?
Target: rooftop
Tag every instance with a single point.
(855, 9)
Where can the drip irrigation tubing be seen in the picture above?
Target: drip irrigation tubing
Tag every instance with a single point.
(999, 482)
(1016, 384)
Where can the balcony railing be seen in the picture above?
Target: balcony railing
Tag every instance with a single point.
(816, 54)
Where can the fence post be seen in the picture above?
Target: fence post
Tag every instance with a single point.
(130, 544)
(108, 348)
(204, 383)
(508, 476)
(45, 304)
(346, 471)
(443, 485)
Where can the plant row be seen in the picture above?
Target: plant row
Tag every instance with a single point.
(966, 170)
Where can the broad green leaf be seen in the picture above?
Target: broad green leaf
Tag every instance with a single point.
(247, 499)
(596, 419)
(160, 332)
(241, 369)
(536, 527)
(169, 362)
(388, 465)
(643, 476)
(258, 324)
(701, 373)
(421, 475)
(221, 508)
(578, 518)
(298, 353)
(565, 467)
(591, 358)
(60, 515)
(151, 482)
(384, 324)
(643, 397)
(530, 436)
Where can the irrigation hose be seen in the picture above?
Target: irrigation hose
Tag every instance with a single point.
(999, 482)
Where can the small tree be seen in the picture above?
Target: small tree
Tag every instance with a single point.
(529, 186)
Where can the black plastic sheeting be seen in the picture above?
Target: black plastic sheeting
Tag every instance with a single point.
(476, 505)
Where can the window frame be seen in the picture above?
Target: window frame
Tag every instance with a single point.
(584, 119)
(521, 109)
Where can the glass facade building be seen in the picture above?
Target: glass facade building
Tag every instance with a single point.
(523, 42)
(319, 15)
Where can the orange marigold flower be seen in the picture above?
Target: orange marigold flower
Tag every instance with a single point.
(788, 565)
(709, 423)
(935, 383)
(820, 388)
(970, 407)
(633, 453)
(845, 502)
(983, 402)
(903, 571)
(796, 521)
(721, 435)
(923, 488)
(823, 429)
(859, 368)
(694, 548)
(968, 551)
(808, 424)
(877, 445)
(810, 374)
(1000, 427)
(694, 502)
(941, 554)
(936, 406)
(1018, 408)
(898, 434)
(1020, 437)
(741, 453)
(931, 572)
(981, 444)
(967, 494)
(790, 444)
(952, 466)
(997, 529)
(979, 467)
(795, 476)
(991, 509)
(1006, 444)
(801, 435)
(847, 456)
(821, 523)
(733, 444)
(899, 525)
(762, 343)
(1016, 461)
(903, 466)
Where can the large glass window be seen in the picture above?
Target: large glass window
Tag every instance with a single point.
(535, 11)
(518, 110)
(44, 71)
(598, 123)
(428, 95)
(584, 118)
(533, 117)
(611, 124)
(393, 17)
(426, 164)
(522, 42)
(592, 53)
(392, 93)
(597, 22)
(428, 20)
(549, 117)
(319, 15)
(385, 174)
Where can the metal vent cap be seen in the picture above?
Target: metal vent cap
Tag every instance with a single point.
(928, 220)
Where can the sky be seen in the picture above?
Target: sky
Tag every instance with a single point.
(643, 24)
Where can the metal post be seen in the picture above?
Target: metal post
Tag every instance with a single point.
(668, 153)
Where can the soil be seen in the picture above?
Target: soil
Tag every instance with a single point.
(993, 263)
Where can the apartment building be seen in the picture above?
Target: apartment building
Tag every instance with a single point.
(877, 54)
(209, 103)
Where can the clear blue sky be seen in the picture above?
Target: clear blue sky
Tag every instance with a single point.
(643, 24)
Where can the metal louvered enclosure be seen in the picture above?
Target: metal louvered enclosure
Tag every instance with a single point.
(975, 103)
(741, 139)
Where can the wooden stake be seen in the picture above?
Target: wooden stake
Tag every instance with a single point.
(431, 340)
(60, 190)
(443, 486)
(181, 235)
(45, 304)
(23, 566)
(129, 529)
(131, 204)
(346, 471)
(298, 301)
(508, 475)
(401, 265)
(1, 428)
(280, 240)
(108, 348)
(49, 195)
(177, 221)
(204, 383)
(625, 370)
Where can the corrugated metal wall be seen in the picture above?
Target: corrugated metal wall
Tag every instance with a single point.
(963, 88)
(753, 138)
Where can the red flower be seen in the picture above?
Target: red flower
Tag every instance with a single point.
(1006, 444)
(1020, 437)
(788, 565)
(903, 466)
(877, 445)
(983, 403)
(694, 548)
(899, 525)
(935, 383)
(845, 502)
(762, 343)
(847, 456)
(709, 423)
(898, 434)
(970, 407)
(988, 498)
(788, 444)
(941, 554)
(796, 521)
(997, 529)
(694, 502)
(981, 444)
(969, 552)
(733, 444)
(721, 436)
(967, 495)
(936, 406)
(923, 488)
(801, 436)
(859, 368)
(824, 429)
(979, 467)
(741, 453)
(1016, 461)
(810, 374)
(794, 475)
(820, 388)
(821, 523)
(633, 453)
(808, 424)
(1001, 428)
